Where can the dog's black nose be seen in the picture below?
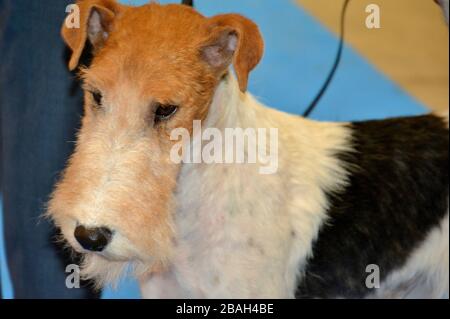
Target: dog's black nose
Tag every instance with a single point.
(93, 239)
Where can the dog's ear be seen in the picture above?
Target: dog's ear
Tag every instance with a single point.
(94, 19)
(233, 39)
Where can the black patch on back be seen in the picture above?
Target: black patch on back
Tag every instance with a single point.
(398, 192)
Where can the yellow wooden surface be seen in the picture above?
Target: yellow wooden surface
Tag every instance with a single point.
(411, 47)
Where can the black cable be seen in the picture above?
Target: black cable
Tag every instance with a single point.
(188, 2)
(337, 61)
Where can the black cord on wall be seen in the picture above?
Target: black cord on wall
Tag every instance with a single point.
(337, 61)
(188, 2)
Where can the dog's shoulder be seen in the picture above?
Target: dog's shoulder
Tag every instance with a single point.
(397, 193)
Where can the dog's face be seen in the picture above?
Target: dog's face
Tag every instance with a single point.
(155, 68)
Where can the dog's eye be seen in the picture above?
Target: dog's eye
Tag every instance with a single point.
(98, 97)
(164, 112)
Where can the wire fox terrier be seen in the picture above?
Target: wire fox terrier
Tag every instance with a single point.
(347, 200)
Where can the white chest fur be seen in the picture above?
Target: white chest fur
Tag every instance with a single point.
(241, 234)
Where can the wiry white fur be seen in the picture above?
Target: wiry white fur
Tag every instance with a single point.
(426, 274)
(104, 272)
(241, 234)
(245, 235)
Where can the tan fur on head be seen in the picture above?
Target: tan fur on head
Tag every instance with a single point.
(96, 19)
(120, 175)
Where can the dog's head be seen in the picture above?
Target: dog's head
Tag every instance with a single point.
(155, 68)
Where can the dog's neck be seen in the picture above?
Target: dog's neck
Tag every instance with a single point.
(224, 208)
(230, 108)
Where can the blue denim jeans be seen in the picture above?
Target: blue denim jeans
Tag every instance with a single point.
(40, 105)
